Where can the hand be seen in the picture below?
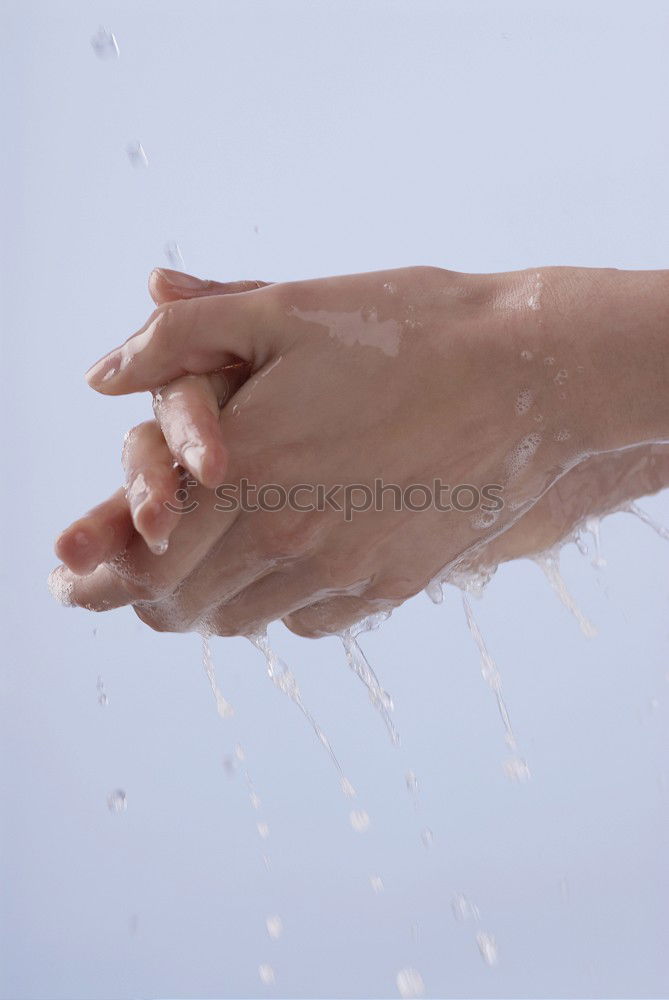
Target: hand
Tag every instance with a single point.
(381, 359)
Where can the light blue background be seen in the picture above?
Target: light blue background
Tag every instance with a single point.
(356, 136)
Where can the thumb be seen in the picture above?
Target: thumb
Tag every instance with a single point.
(166, 285)
(193, 336)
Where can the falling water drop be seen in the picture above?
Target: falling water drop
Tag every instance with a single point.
(488, 947)
(347, 788)
(549, 563)
(427, 838)
(647, 519)
(136, 154)
(174, 255)
(223, 707)
(517, 769)
(592, 525)
(360, 666)
(266, 974)
(274, 926)
(104, 44)
(376, 883)
(463, 908)
(410, 984)
(359, 820)
(117, 801)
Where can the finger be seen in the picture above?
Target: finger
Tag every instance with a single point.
(188, 412)
(96, 537)
(152, 480)
(166, 285)
(192, 337)
(331, 616)
(101, 590)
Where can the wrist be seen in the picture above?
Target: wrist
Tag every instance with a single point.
(605, 335)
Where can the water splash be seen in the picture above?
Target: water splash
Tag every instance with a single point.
(658, 528)
(592, 526)
(285, 681)
(223, 707)
(549, 563)
(360, 666)
(490, 673)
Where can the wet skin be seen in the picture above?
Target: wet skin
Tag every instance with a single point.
(531, 380)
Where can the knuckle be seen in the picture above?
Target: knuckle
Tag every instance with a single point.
(155, 617)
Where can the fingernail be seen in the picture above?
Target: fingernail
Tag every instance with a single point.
(104, 370)
(193, 457)
(177, 279)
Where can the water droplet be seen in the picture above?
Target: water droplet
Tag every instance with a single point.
(274, 927)
(390, 288)
(463, 908)
(347, 788)
(435, 591)
(592, 525)
(103, 700)
(563, 434)
(359, 820)
(229, 766)
(561, 377)
(174, 255)
(223, 707)
(263, 830)
(524, 401)
(516, 769)
(411, 782)
(254, 800)
(376, 883)
(266, 973)
(526, 355)
(239, 751)
(136, 154)
(488, 947)
(410, 984)
(104, 44)
(427, 838)
(550, 564)
(549, 361)
(116, 801)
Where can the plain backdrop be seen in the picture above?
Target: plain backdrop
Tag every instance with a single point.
(291, 140)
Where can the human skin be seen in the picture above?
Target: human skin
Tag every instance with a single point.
(523, 379)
